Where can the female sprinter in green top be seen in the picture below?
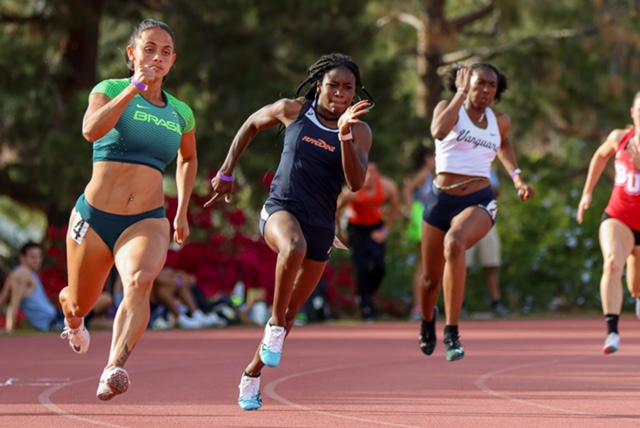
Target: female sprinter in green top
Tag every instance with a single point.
(136, 129)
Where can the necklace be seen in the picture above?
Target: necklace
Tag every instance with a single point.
(325, 117)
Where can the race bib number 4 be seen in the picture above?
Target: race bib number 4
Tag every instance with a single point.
(79, 230)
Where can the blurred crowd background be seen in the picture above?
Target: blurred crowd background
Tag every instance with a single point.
(572, 68)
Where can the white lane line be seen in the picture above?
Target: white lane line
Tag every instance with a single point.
(45, 396)
(270, 391)
(481, 383)
(45, 399)
(10, 381)
(42, 381)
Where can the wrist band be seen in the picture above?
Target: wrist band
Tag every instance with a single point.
(227, 178)
(347, 137)
(515, 172)
(141, 86)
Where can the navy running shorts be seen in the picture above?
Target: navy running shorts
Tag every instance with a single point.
(441, 207)
(319, 239)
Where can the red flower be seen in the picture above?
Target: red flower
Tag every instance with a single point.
(236, 218)
(267, 179)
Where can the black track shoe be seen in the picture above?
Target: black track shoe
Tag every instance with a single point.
(454, 348)
(427, 340)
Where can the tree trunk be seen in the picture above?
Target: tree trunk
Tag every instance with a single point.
(72, 29)
(430, 50)
(436, 37)
(80, 46)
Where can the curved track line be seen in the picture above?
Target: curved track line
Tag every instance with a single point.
(481, 384)
(270, 391)
(45, 400)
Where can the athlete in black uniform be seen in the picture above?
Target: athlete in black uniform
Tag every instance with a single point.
(325, 145)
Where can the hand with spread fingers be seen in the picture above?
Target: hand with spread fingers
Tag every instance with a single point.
(352, 115)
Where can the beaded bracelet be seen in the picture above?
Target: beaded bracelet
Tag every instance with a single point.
(227, 178)
(141, 86)
(515, 172)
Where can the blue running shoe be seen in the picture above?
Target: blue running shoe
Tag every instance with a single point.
(454, 348)
(249, 397)
(272, 344)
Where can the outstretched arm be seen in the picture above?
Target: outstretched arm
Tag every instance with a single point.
(596, 166)
(283, 111)
(507, 157)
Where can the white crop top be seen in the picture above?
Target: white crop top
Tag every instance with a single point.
(467, 149)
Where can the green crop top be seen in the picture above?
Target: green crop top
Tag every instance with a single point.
(145, 133)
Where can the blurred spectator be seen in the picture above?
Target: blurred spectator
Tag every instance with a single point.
(368, 231)
(173, 290)
(23, 291)
(415, 192)
(486, 254)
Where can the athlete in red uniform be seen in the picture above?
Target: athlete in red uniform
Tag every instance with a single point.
(368, 231)
(620, 227)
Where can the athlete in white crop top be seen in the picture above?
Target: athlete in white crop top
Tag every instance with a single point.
(462, 207)
(469, 149)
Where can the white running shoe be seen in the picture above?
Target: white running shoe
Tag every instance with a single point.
(272, 344)
(189, 323)
(211, 319)
(79, 338)
(249, 397)
(113, 381)
(161, 323)
(611, 343)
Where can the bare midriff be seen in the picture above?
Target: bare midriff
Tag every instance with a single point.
(124, 188)
(460, 185)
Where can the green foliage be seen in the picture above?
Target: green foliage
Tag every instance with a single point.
(235, 56)
(545, 253)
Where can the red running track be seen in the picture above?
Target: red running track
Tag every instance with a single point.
(527, 373)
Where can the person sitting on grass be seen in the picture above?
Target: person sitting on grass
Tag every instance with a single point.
(23, 291)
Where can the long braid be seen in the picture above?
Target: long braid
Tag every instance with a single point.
(326, 63)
